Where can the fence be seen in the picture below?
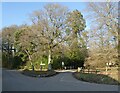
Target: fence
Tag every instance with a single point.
(98, 70)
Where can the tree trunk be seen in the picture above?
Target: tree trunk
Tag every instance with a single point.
(30, 60)
(31, 63)
(49, 60)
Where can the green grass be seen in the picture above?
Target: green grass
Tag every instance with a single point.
(38, 73)
(96, 78)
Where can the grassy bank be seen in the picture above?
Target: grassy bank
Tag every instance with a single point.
(38, 73)
(96, 78)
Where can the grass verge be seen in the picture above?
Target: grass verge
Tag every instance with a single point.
(95, 78)
(39, 73)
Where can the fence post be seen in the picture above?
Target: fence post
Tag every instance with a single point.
(96, 71)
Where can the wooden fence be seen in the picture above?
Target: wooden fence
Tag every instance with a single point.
(98, 70)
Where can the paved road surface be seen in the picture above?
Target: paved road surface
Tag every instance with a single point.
(15, 81)
(0, 80)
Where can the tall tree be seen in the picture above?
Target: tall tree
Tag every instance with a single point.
(104, 30)
(7, 43)
(24, 41)
(76, 25)
(52, 21)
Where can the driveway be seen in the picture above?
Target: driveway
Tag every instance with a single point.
(14, 81)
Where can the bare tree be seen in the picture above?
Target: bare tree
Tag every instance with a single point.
(51, 20)
(104, 28)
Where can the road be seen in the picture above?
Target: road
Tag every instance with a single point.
(15, 81)
(0, 79)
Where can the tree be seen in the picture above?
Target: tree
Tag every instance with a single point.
(54, 33)
(76, 25)
(8, 51)
(52, 22)
(104, 31)
(24, 41)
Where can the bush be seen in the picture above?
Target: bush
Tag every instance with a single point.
(11, 62)
(57, 62)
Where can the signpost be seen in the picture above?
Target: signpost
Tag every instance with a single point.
(41, 66)
(62, 65)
